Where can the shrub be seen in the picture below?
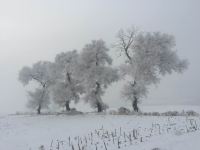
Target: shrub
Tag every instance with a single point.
(191, 113)
(123, 111)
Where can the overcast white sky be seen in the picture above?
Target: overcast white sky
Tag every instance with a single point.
(32, 30)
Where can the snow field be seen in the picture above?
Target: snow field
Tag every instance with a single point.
(90, 132)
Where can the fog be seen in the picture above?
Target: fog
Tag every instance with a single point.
(39, 29)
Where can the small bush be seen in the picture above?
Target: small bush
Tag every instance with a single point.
(171, 113)
(123, 111)
(156, 148)
(191, 113)
(155, 114)
(41, 147)
(112, 112)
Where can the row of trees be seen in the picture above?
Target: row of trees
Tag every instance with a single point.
(148, 56)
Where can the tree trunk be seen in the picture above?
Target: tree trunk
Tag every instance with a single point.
(135, 104)
(99, 107)
(69, 77)
(39, 109)
(67, 106)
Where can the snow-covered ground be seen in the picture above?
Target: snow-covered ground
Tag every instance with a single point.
(93, 131)
(165, 108)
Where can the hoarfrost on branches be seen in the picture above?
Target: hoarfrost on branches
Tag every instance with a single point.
(96, 72)
(148, 57)
(67, 86)
(38, 99)
(40, 73)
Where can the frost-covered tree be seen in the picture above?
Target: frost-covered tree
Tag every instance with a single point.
(96, 72)
(40, 73)
(148, 57)
(38, 99)
(67, 86)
